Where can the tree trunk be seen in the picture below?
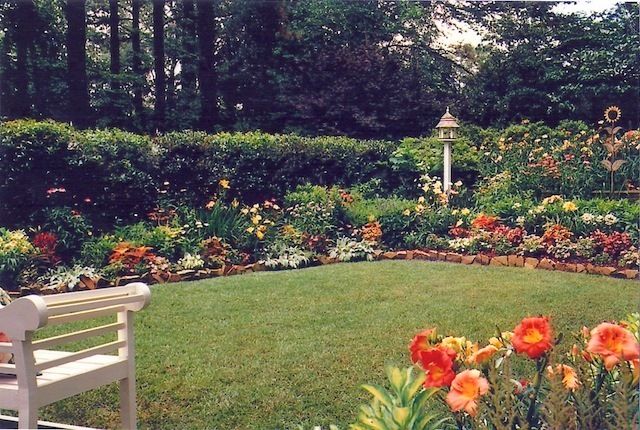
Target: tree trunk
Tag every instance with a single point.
(78, 102)
(188, 66)
(136, 64)
(24, 14)
(207, 71)
(158, 63)
(114, 44)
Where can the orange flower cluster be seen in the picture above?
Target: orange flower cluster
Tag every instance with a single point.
(485, 222)
(372, 231)
(443, 358)
(555, 234)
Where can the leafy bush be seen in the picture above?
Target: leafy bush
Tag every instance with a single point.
(96, 250)
(15, 250)
(35, 156)
(263, 166)
(164, 240)
(70, 227)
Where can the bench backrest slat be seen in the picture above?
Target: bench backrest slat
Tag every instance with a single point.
(85, 315)
(76, 336)
(62, 309)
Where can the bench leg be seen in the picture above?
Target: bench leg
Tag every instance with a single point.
(28, 417)
(128, 403)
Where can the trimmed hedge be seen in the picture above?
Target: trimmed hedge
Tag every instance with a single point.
(113, 176)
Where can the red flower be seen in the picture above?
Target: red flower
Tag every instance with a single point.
(438, 366)
(613, 244)
(533, 337)
(421, 342)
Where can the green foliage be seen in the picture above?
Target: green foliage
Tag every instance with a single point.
(34, 157)
(15, 250)
(163, 240)
(402, 407)
(70, 227)
(96, 250)
(389, 211)
(428, 156)
(314, 209)
(116, 166)
(221, 221)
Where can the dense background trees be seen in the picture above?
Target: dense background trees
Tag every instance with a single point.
(365, 69)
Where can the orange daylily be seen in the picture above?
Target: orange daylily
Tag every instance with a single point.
(421, 342)
(438, 366)
(466, 389)
(482, 355)
(614, 344)
(533, 337)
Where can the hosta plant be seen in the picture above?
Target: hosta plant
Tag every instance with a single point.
(286, 257)
(352, 250)
(69, 277)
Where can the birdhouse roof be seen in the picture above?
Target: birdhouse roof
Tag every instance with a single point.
(448, 121)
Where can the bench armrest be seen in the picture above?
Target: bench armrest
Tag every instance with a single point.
(23, 315)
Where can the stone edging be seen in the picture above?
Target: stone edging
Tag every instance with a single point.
(450, 257)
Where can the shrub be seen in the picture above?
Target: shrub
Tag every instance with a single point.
(115, 166)
(70, 227)
(164, 240)
(263, 166)
(95, 251)
(35, 156)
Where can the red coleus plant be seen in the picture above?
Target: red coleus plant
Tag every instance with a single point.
(47, 242)
(613, 244)
(130, 255)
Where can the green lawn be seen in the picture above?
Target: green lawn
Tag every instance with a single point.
(278, 349)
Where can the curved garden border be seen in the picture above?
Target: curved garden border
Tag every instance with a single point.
(450, 257)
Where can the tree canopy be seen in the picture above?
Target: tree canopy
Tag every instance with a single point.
(372, 68)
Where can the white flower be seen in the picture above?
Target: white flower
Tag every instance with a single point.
(516, 206)
(610, 219)
(587, 218)
(520, 220)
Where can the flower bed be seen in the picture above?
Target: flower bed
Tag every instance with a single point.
(186, 229)
(594, 386)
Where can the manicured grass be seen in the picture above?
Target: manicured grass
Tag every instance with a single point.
(274, 350)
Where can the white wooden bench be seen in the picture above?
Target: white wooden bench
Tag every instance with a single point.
(44, 375)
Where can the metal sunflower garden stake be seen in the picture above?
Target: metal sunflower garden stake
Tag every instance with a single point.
(611, 164)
